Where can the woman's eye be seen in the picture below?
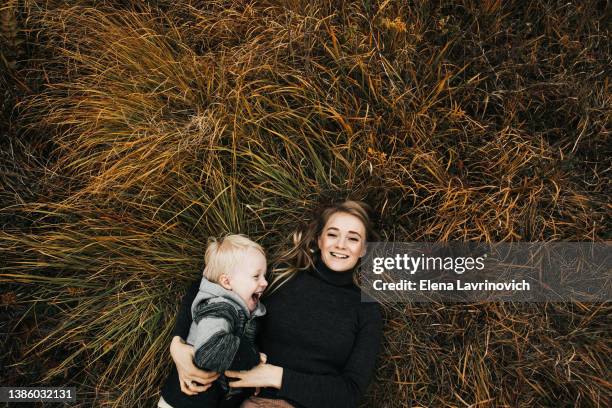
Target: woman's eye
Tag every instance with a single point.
(354, 239)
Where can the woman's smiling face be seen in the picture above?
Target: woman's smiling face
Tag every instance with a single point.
(342, 241)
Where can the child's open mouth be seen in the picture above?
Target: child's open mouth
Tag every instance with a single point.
(255, 296)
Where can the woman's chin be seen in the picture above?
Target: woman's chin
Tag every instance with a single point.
(339, 265)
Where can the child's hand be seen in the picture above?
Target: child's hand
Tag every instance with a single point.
(192, 379)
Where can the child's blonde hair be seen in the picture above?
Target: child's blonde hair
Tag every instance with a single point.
(223, 253)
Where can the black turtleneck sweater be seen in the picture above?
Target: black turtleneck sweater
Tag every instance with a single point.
(322, 335)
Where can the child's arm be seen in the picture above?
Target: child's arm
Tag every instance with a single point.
(217, 347)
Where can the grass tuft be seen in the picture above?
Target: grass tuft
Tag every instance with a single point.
(132, 132)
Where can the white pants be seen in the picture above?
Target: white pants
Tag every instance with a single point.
(163, 404)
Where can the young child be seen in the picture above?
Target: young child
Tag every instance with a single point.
(224, 312)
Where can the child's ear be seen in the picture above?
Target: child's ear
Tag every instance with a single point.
(225, 282)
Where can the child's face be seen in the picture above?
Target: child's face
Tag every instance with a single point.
(248, 278)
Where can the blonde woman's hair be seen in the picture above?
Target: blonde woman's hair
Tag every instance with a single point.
(222, 254)
(300, 256)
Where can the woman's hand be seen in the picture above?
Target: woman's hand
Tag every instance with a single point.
(263, 375)
(192, 379)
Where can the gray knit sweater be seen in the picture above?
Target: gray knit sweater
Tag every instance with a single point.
(223, 329)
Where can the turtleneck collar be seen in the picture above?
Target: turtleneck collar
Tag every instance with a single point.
(330, 276)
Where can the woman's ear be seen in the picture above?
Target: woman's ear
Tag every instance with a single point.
(225, 282)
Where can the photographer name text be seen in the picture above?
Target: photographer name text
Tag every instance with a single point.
(427, 285)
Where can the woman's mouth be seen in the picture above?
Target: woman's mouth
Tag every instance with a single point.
(339, 256)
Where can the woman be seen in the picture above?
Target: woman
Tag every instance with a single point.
(321, 341)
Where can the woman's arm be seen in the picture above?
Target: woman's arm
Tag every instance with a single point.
(263, 375)
(192, 379)
(321, 391)
(183, 318)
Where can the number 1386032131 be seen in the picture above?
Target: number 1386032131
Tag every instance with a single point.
(34, 394)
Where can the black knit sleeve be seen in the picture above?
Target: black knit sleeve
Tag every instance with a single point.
(346, 389)
(246, 357)
(183, 318)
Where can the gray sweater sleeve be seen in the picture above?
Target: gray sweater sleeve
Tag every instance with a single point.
(217, 346)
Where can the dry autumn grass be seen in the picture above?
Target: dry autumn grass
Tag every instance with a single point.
(131, 132)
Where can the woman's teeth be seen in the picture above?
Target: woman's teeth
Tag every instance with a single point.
(340, 256)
